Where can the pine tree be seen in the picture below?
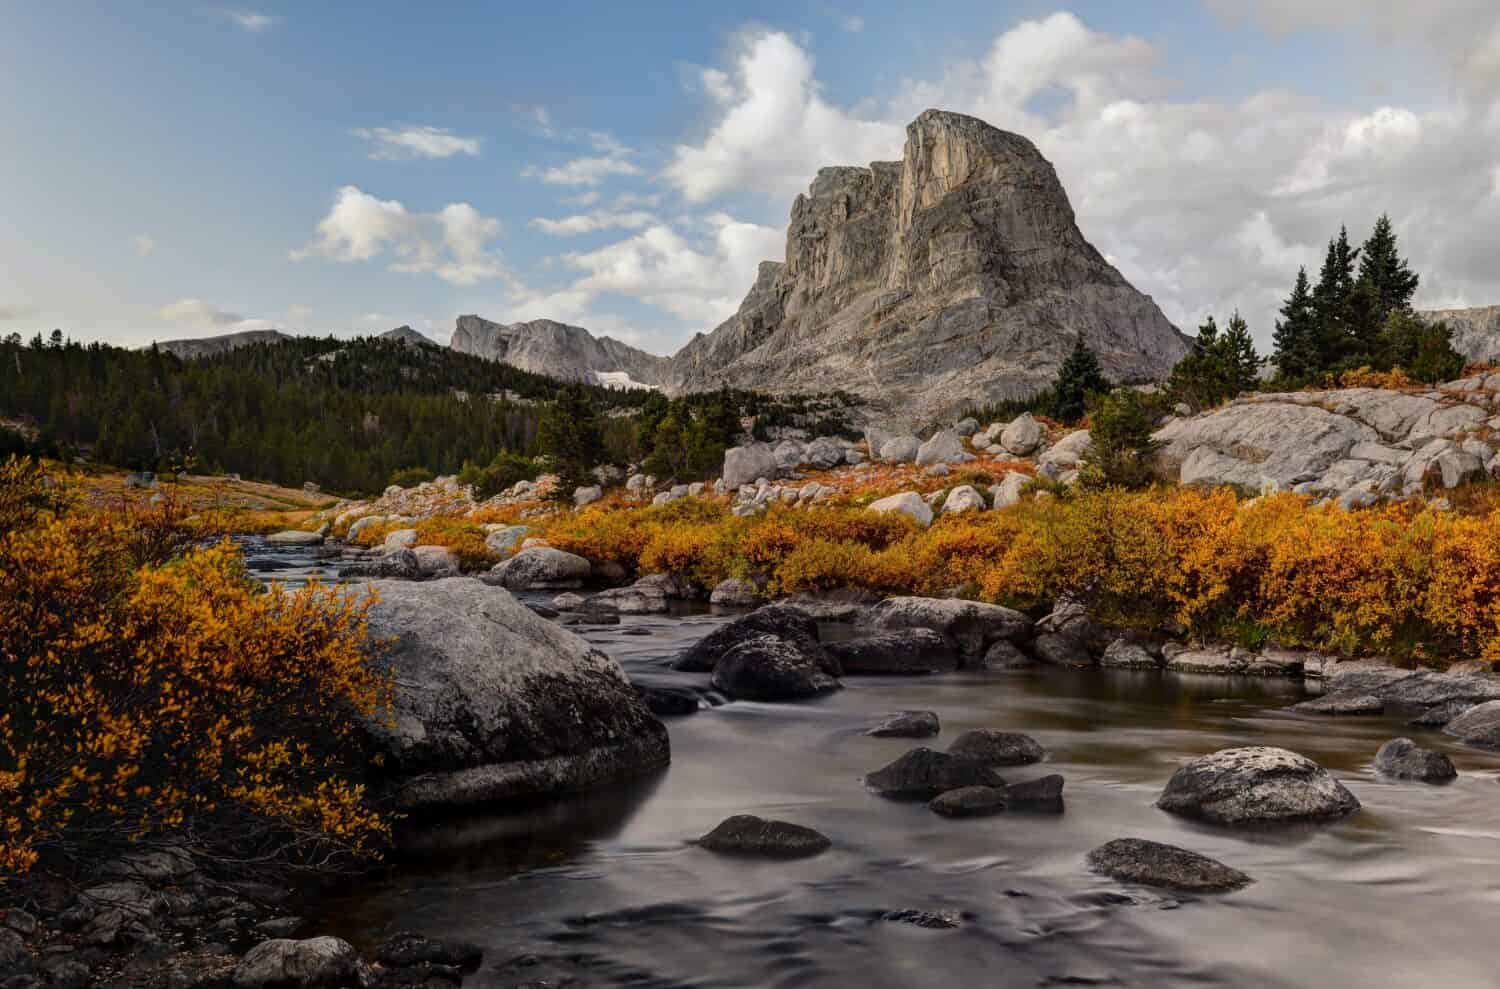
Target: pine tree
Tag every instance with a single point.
(568, 435)
(1331, 301)
(1240, 361)
(1079, 377)
(1389, 277)
(1297, 333)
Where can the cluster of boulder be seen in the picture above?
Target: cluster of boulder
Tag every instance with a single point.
(154, 918)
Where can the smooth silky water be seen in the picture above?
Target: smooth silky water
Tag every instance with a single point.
(604, 889)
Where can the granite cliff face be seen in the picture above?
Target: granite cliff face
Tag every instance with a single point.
(1476, 332)
(953, 276)
(556, 349)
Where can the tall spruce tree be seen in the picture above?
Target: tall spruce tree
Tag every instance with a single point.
(569, 436)
(1241, 362)
(1331, 301)
(1388, 276)
(1079, 377)
(1296, 337)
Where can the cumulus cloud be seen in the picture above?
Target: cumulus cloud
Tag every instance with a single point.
(1205, 205)
(143, 245)
(612, 159)
(250, 20)
(398, 144)
(196, 312)
(453, 243)
(586, 223)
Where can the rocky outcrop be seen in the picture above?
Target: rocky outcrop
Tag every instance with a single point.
(1476, 332)
(199, 347)
(1255, 784)
(557, 350)
(493, 702)
(902, 652)
(954, 276)
(1151, 863)
(969, 626)
(408, 336)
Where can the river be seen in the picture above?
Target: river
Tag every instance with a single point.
(604, 889)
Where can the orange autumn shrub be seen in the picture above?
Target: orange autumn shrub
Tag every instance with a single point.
(142, 696)
(464, 537)
(700, 550)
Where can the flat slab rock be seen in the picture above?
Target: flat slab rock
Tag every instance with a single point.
(1152, 863)
(1255, 784)
(746, 834)
(923, 773)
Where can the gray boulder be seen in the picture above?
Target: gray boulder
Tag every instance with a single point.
(824, 453)
(494, 703)
(1346, 703)
(996, 748)
(926, 774)
(945, 447)
(971, 626)
(587, 496)
(316, 963)
(1008, 491)
(541, 568)
(1067, 452)
(399, 539)
(1005, 655)
(1150, 863)
(900, 449)
(1041, 796)
(641, 598)
(1255, 784)
(1022, 436)
(970, 801)
(907, 503)
(745, 464)
(770, 668)
(1127, 654)
(745, 834)
(1479, 725)
(501, 541)
(907, 651)
(963, 499)
(1063, 649)
(907, 724)
(295, 537)
(1403, 759)
(737, 593)
(779, 620)
(436, 561)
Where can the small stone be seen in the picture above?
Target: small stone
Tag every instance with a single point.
(1154, 864)
(1403, 759)
(746, 834)
(931, 920)
(907, 724)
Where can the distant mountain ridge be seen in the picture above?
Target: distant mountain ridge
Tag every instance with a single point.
(1476, 331)
(571, 353)
(198, 347)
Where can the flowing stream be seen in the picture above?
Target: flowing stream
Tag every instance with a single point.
(604, 889)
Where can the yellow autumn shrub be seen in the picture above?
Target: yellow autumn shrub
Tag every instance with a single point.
(144, 691)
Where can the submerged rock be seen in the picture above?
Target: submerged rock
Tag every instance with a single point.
(1040, 796)
(902, 652)
(770, 668)
(493, 702)
(668, 701)
(746, 834)
(1342, 702)
(970, 801)
(1403, 759)
(1151, 863)
(406, 950)
(907, 724)
(1252, 784)
(996, 748)
(927, 774)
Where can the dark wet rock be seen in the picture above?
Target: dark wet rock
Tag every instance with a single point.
(1254, 784)
(843, 604)
(944, 920)
(593, 612)
(970, 626)
(316, 963)
(1125, 654)
(1403, 759)
(1479, 725)
(542, 611)
(668, 701)
(746, 834)
(406, 950)
(902, 652)
(1439, 715)
(279, 927)
(637, 630)
(779, 620)
(926, 774)
(1151, 863)
(970, 801)
(493, 703)
(1039, 796)
(1342, 702)
(1062, 649)
(18, 920)
(770, 668)
(996, 748)
(1006, 655)
(907, 724)
(14, 958)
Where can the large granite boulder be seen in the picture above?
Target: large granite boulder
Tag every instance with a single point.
(541, 568)
(780, 620)
(316, 963)
(1479, 725)
(945, 447)
(908, 503)
(970, 626)
(1255, 784)
(747, 464)
(900, 652)
(771, 668)
(1403, 759)
(1022, 435)
(494, 703)
(900, 449)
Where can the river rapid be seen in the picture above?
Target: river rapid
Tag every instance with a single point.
(604, 889)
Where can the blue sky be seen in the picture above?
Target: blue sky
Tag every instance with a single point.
(179, 168)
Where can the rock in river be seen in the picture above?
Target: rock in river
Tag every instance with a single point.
(780, 620)
(906, 651)
(971, 626)
(1255, 784)
(1403, 759)
(540, 568)
(907, 724)
(317, 963)
(1151, 863)
(493, 702)
(1041, 796)
(926, 774)
(1479, 725)
(746, 834)
(996, 748)
(970, 801)
(770, 668)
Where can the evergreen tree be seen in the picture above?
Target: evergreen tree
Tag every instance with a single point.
(1331, 301)
(1079, 377)
(1120, 444)
(1241, 362)
(1218, 367)
(1389, 277)
(1297, 333)
(569, 437)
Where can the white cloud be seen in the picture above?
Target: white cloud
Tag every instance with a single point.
(453, 243)
(143, 245)
(1205, 205)
(585, 223)
(299, 313)
(397, 144)
(611, 159)
(250, 20)
(196, 312)
(853, 24)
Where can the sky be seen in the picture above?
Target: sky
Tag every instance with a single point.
(185, 169)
